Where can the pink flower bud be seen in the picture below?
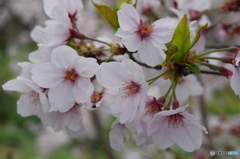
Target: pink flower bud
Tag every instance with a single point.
(225, 72)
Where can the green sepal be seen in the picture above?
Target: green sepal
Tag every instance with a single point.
(193, 68)
(109, 14)
(170, 55)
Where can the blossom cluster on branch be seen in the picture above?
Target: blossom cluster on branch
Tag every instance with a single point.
(71, 71)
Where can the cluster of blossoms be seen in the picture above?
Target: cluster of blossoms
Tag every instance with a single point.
(70, 72)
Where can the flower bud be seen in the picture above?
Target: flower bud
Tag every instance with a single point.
(227, 59)
(225, 72)
(175, 104)
(162, 99)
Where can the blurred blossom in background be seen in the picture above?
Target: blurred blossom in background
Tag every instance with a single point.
(27, 138)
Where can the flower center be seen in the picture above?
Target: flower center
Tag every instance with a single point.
(34, 97)
(71, 75)
(96, 97)
(145, 29)
(175, 120)
(130, 88)
(153, 106)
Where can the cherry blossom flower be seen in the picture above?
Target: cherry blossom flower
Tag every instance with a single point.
(148, 39)
(33, 101)
(176, 126)
(67, 77)
(127, 83)
(64, 14)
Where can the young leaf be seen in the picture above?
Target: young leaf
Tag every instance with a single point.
(181, 36)
(195, 40)
(119, 4)
(170, 54)
(108, 14)
(193, 68)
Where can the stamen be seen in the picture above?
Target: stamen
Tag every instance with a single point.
(153, 107)
(96, 97)
(34, 97)
(71, 75)
(145, 29)
(130, 88)
(175, 120)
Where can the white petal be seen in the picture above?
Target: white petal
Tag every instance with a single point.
(111, 75)
(150, 54)
(135, 71)
(56, 34)
(132, 41)
(61, 97)
(163, 30)
(46, 75)
(57, 120)
(171, 112)
(162, 138)
(37, 34)
(26, 106)
(86, 67)
(129, 108)
(128, 18)
(64, 56)
(82, 90)
(16, 85)
(142, 137)
(44, 102)
(75, 120)
(117, 136)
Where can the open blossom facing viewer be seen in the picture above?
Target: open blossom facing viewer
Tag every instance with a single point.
(148, 39)
(127, 82)
(176, 126)
(67, 77)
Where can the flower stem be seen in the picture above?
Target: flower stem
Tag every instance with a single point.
(98, 41)
(110, 57)
(210, 65)
(213, 58)
(217, 50)
(98, 50)
(157, 77)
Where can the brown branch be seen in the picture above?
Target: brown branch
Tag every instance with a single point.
(211, 73)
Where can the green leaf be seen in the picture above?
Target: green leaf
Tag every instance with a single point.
(195, 40)
(181, 36)
(119, 4)
(108, 13)
(170, 55)
(193, 68)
